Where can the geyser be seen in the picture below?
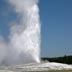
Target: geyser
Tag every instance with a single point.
(24, 39)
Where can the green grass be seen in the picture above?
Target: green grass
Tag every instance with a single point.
(54, 71)
(61, 71)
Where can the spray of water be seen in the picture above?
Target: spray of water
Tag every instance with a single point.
(24, 44)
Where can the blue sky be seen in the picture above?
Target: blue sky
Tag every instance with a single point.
(56, 21)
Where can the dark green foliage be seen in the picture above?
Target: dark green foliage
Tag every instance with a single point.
(65, 59)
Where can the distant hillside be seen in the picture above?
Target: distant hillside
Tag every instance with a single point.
(65, 59)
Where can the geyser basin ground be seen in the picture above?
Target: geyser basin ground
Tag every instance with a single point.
(39, 67)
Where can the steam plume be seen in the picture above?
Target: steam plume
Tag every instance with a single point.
(24, 44)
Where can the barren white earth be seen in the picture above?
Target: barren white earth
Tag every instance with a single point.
(44, 66)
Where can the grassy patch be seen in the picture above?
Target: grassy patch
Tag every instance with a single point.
(54, 71)
(61, 71)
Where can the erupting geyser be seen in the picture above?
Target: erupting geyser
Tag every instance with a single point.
(24, 41)
(24, 38)
(27, 34)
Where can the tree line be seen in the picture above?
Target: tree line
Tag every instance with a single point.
(64, 59)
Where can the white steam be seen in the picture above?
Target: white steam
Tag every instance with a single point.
(24, 45)
(2, 49)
